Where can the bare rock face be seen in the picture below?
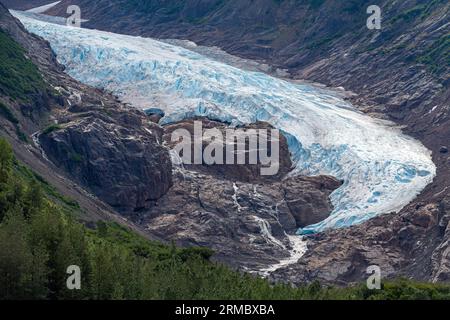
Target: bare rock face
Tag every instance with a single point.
(425, 217)
(239, 172)
(413, 243)
(247, 224)
(245, 218)
(119, 158)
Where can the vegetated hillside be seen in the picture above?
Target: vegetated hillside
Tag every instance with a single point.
(39, 239)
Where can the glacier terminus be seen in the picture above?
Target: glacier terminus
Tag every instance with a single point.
(382, 168)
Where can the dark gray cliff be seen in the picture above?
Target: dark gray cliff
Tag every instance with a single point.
(116, 154)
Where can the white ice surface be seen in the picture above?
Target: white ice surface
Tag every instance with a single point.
(382, 169)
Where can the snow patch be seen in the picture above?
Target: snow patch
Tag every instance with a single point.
(43, 8)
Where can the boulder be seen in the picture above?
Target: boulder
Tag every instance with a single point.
(307, 198)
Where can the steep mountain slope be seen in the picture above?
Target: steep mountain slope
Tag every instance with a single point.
(400, 72)
(324, 40)
(38, 99)
(24, 4)
(110, 158)
(326, 135)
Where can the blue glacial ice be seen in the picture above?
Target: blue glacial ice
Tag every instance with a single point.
(382, 169)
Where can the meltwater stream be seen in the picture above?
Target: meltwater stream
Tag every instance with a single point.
(383, 169)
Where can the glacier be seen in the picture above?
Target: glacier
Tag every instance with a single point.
(382, 169)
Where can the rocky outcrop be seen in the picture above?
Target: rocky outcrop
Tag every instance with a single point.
(247, 220)
(238, 172)
(412, 244)
(312, 207)
(118, 157)
(242, 223)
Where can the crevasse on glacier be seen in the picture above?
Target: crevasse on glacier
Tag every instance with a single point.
(382, 169)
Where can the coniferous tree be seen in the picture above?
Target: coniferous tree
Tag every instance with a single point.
(15, 257)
